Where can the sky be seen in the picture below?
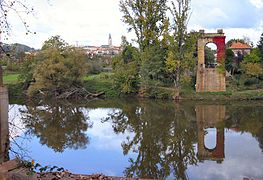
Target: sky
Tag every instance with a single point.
(89, 22)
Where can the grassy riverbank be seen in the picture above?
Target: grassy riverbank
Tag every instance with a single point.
(104, 83)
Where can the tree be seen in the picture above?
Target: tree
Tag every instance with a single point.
(260, 46)
(180, 60)
(253, 57)
(126, 69)
(251, 64)
(209, 56)
(252, 69)
(182, 46)
(58, 69)
(230, 65)
(145, 18)
(55, 42)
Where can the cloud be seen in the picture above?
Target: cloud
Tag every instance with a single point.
(86, 22)
(89, 22)
(102, 135)
(224, 14)
(236, 162)
(257, 3)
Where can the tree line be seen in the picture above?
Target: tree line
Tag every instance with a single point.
(162, 57)
(165, 54)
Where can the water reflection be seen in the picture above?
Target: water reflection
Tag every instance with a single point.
(59, 125)
(166, 135)
(162, 140)
(247, 117)
(211, 116)
(4, 133)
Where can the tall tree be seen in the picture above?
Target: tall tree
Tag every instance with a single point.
(180, 57)
(145, 18)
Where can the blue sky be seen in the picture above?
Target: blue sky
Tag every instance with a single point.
(89, 22)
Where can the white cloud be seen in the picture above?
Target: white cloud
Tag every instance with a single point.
(257, 3)
(102, 136)
(84, 21)
(89, 22)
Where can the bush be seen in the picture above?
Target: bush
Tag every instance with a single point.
(251, 81)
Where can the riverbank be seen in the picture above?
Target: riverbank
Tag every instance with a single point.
(13, 169)
(104, 83)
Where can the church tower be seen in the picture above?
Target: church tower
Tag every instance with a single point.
(110, 40)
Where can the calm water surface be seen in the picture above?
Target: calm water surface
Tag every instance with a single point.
(143, 138)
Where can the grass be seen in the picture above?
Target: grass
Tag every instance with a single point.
(10, 78)
(102, 82)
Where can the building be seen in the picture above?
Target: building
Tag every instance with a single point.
(110, 41)
(103, 50)
(240, 49)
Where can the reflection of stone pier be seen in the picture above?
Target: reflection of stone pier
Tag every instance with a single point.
(4, 130)
(209, 116)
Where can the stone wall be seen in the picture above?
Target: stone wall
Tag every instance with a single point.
(210, 80)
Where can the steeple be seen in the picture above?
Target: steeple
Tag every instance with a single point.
(110, 40)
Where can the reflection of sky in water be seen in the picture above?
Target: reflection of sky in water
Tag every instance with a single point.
(243, 158)
(104, 154)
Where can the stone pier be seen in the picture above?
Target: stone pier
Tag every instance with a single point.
(4, 128)
(210, 116)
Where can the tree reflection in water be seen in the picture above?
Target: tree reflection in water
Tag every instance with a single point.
(164, 134)
(247, 117)
(59, 125)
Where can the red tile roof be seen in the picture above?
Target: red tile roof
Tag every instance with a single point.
(239, 45)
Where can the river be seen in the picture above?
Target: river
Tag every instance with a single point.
(142, 138)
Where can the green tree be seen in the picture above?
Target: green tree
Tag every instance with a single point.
(252, 69)
(260, 46)
(145, 18)
(253, 57)
(55, 42)
(251, 64)
(126, 70)
(58, 69)
(209, 56)
(180, 59)
(152, 67)
(230, 64)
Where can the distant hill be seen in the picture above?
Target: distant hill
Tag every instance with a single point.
(15, 49)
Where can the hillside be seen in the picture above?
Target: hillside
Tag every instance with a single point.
(15, 49)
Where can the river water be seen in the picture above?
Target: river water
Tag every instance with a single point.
(142, 138)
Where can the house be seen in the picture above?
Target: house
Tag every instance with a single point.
(240, 49)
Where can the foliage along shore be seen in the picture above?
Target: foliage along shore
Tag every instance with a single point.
(103, 83)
